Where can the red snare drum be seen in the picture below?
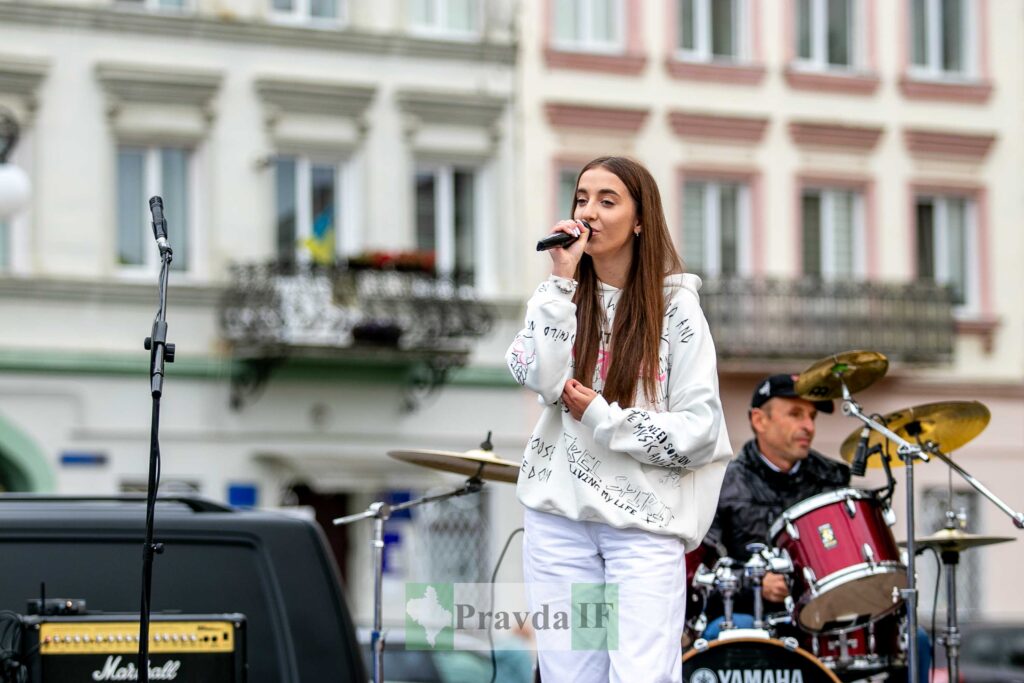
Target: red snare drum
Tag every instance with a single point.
(865, 650)
(845, 557)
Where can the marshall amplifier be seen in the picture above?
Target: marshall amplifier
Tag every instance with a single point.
(206, 648)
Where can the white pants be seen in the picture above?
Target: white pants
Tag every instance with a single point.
(650, 572)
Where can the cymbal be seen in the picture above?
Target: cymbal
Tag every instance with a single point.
(858, 369)
(955, 540)
(468, 463)
(949, 425)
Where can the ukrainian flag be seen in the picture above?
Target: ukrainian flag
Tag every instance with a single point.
(321, 243)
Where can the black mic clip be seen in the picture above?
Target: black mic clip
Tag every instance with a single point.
(860, 459)
(156, 208)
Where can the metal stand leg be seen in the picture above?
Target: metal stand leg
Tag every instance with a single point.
(951, 639)
(910, 592)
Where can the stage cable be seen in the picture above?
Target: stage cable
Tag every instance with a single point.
(490, 625)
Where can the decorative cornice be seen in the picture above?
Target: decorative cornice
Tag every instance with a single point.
(734, 74)
(256, 33)
(438, 107)
(104, 292)
(624, 65)
(607, 118)
(861, 138)
(849, 84)
(984, 327)
(315, 97)
(21, 76)
(125, 82)
(718, 127)
(941, 143)
(963, 93)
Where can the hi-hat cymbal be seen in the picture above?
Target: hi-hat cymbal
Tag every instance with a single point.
(857, 369)
(949, 425)
(480, 463)
(955, 540)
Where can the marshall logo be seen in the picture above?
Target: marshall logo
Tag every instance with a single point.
(113, 671)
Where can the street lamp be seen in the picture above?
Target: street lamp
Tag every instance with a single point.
(14, 184)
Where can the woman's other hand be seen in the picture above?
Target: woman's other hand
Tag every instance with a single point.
(577, 398)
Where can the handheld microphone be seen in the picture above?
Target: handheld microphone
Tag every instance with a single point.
(860, 459)
(156, 207)
(559, 239)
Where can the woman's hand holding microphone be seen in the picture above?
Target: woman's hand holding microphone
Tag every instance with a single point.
(565, 258)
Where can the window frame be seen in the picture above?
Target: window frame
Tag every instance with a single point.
(818, 61)
(585, 42)
(826, 238)
(940, 238)
(153, 180)
(187, 7)
(702, 51)
(445, 248)
(933, 69)
(711, 225)
(346, 238)
(438, 30)
(300, 14)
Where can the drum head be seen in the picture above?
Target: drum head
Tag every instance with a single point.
(746, 659)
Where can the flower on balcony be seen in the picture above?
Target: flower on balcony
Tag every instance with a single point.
(406, 261)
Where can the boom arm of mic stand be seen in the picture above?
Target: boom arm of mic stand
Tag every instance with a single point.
(1017, 517)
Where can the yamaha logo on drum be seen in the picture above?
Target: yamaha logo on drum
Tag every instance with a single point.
(747, 676)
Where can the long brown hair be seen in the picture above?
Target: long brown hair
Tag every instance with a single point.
(636, 334)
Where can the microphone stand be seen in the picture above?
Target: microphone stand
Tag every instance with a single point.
(159, 351)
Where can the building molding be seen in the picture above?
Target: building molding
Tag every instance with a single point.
(27, 457)
(967, 146)
(733, 74)
(21, 76)
(936, 91)
(298, 96)
(127, 84)
(105, 292)
(702, 126)
(256, 33)
(623, 119)
(816, 134)
(842, 83)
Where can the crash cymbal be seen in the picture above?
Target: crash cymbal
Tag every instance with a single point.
(467, 463)
(858, 369)
(949, 425)
(956, 540)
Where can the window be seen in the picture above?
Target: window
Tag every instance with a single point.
(445, 17)
(941, 37)
(832, 233)
(446, 218)
(590, 25)
(826, 33)
(711, 29)
(143, 172)
(931, 518)
(716, 228)
(565, 198)
(309, 199)
(330, 12)
(945, 245)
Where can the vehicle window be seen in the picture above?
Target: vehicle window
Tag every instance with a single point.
(1015, 651)
(407, 666)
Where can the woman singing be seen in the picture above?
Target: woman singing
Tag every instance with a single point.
(623, 471)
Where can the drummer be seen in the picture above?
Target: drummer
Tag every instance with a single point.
(775, 470)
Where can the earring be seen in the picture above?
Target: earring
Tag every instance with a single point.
(636, 233)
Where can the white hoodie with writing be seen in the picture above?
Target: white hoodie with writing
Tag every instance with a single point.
(656, 466)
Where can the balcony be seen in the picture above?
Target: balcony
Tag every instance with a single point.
(391, 316)
(810, 319)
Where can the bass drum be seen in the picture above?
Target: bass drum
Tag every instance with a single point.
(753, 659)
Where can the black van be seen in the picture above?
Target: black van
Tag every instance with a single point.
(273, 568)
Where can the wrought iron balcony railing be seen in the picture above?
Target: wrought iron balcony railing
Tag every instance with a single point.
(807, 319)
(275, 311)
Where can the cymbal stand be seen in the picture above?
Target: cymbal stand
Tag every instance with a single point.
(1017, 517)
(951, 637)
(908, 452)
(380, 512)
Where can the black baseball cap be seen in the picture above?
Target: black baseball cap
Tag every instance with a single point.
(783, 386)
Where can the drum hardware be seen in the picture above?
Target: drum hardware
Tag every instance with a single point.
(753, 658)
(480, 464)
(763, 560)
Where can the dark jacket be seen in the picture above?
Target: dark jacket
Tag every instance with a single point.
(754, 495)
